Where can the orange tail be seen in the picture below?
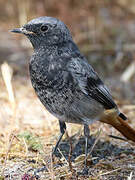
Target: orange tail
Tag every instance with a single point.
(111, 117)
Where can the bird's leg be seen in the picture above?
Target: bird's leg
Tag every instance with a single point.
(62, 131)
(86, 134)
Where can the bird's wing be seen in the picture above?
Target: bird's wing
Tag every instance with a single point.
(89, 83)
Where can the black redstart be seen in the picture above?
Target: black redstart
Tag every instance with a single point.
(65, 83)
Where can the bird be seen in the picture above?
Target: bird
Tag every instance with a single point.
(64, 81)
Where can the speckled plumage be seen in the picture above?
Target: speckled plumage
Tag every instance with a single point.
(53, 81)
(63, 80)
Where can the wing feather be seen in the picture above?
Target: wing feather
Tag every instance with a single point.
(90, 83)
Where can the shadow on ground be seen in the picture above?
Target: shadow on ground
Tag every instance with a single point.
(106, 156)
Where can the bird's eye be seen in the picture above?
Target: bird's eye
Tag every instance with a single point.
(44, 28)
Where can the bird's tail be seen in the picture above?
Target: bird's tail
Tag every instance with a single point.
(118, 122)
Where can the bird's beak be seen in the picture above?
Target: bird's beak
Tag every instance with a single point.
(22, 31)
(17, 30)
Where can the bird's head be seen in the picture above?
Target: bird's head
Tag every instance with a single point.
(45, 31)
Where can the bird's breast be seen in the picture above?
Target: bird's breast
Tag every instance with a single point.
(52, 86)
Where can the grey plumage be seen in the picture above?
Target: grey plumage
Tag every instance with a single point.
(63, 80)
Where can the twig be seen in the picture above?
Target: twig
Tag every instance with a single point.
(52, 171)
(63, 156)
(26, 147)
(70, 153)
(7, 73)
(129, 72)
(64, 159)
(11, 138)
(7, 76)
(130, 177)
(95, 142)
(109, 172)
(117, 137)
(129, 107)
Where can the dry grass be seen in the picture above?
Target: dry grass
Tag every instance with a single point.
(28, 133)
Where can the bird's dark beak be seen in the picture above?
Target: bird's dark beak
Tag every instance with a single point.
(22, 31)
(16, 30)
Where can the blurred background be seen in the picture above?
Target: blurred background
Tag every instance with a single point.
(105, 33)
